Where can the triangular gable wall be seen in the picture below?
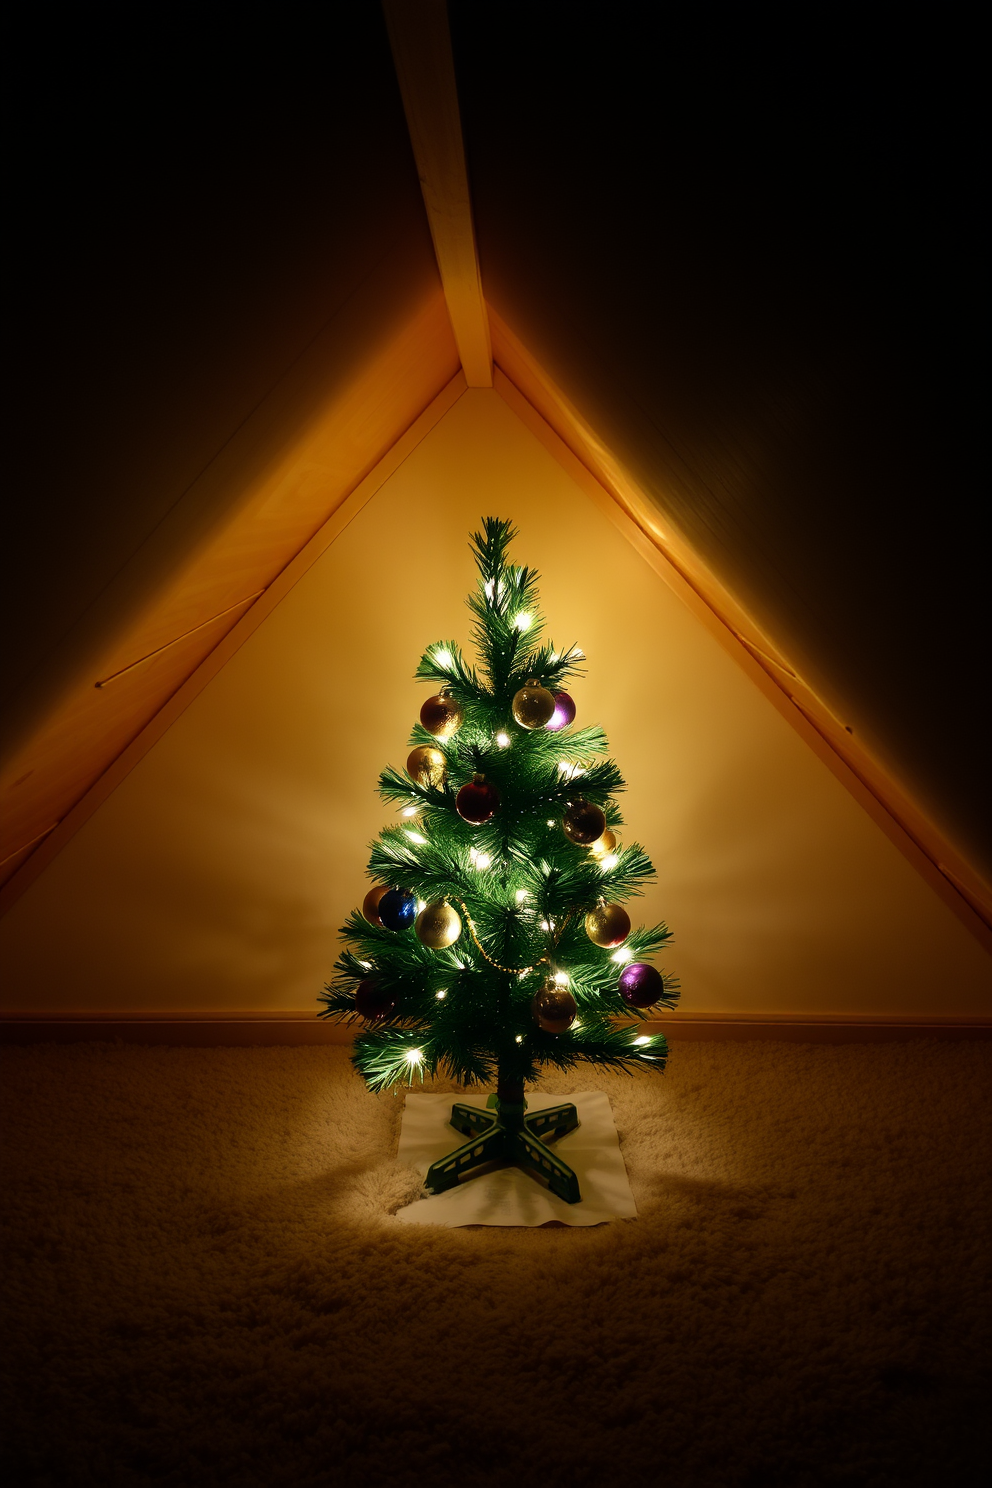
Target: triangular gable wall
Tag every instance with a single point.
(216, 874)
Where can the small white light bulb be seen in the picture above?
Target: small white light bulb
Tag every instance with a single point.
(421, 905)
(545, 925)
(523, 621)
(442, 994)
(610, 861)
(415, 837)
(410, 810)
(643, 1039)
(413, 1056)
(482, 861)
(561, 979)
(519, 1039)
(443, 658)
(503, 740)
(367, 965)
(622, 956)
(521, 895)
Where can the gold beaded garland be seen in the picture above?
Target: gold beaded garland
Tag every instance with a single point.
(608, 925)
(533, 705)
(438, 925)
(554, 1008)
(427, 766)
(583, 822)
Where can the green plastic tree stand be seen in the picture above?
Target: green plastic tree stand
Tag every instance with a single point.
(509, 1136)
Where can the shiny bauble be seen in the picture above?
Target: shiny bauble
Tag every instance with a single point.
(608, 925)
(438, 925)
(604, 845)
(427, 766)
(397, 909)
(373, 1002)
(477, 800)
(370, 904)
(442, 716)
(563, 715)
(533, 705)
(583, 823)
(554, 1008)
(640, 985)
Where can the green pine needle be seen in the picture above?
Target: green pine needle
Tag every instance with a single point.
(516, 881)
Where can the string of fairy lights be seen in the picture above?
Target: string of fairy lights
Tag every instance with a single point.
(438, 924)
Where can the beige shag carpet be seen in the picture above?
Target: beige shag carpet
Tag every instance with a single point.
(206, 1285)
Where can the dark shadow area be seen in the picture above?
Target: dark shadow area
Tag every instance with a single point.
(751, 255)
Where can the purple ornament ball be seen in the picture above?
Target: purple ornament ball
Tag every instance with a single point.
(641, 985)
(563, 715)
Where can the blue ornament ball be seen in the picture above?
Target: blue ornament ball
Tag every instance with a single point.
(398, 909)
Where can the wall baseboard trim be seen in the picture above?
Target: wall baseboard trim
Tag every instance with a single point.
(223, 1028)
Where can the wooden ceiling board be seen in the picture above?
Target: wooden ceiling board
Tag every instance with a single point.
(753, 265)
(963, 887)
(289, 467)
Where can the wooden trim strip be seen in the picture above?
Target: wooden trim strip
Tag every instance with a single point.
(230, 643)
(222, 1027)
(775, 680)
(25, 845)
(421, 44)
(176, 639)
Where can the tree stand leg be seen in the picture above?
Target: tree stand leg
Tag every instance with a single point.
(509, 1136)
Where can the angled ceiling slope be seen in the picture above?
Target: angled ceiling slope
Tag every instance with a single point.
(296, 463)
(214, 879)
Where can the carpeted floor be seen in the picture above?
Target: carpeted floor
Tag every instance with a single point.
(206, 1284)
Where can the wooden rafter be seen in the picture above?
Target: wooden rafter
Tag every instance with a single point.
(421, 44)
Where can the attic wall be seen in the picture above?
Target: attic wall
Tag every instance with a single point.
(747, 252)
(216, 875)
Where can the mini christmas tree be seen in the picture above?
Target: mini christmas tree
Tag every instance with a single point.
(495, 940)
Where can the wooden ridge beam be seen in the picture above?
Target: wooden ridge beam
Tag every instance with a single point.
(421, 46)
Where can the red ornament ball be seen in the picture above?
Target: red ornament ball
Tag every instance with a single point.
(641, 985)
(442, 716)
(477, 800)
(373, 1002)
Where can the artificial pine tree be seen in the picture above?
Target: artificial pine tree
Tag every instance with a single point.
(495, 940)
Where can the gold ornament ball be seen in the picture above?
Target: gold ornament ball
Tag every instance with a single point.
(554, 1008)
(583, 823)
(604, 845)
(427, 766)
(370, 904)
(608, 925)
(438, 925)
(533, 705)
(442, 716)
